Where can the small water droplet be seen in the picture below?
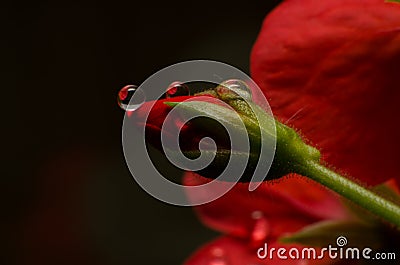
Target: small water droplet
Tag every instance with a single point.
(238, 87)
(218, 257)
(217, 252)
(257, 215)
(177, 89)
(260, 230)
(130, 98)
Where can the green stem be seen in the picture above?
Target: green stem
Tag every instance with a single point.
(352, 191)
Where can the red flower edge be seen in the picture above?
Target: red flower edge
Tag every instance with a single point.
(330, 69)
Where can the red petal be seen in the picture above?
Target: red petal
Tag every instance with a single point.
(269, 211)
(330, 68)
(156, 111)
(233, 251)
(152, 115)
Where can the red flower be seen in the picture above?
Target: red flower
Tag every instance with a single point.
(330, 68)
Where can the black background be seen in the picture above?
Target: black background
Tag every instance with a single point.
(69, 197)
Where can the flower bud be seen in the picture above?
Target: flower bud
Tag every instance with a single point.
(241, 119)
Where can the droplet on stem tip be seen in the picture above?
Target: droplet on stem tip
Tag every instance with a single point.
(238, 87)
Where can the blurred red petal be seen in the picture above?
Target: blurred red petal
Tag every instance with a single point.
(233, 251)
(271, 210)
(393, 185)
(330, 69)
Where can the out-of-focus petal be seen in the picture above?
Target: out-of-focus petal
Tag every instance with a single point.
(233, 251)
(271, 210)
(330, 69)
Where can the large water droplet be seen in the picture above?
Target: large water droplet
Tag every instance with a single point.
(260, 229)
(238, 87)
(130, 98)
(177, 89)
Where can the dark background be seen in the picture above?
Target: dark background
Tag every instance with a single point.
(68, 197)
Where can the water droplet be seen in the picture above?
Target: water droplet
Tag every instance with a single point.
(257, 215)
(130, 98)
(238, 87)
(177, 89)
(218, 257)
(260, 230)
(217, 252)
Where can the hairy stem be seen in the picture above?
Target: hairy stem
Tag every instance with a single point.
(352, 191)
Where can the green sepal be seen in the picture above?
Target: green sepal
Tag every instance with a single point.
(324, 233)
(240, 126)
(387, 192)
(262, 130)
